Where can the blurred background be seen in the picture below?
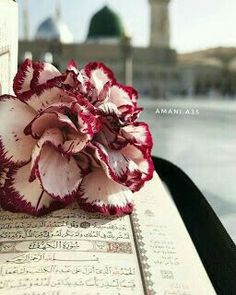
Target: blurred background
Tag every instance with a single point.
(179, 54)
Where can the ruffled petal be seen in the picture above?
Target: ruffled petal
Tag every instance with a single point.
(43, 73)
(72, 66)
(15, 146)
(109, 108)
(98, 75)
(110, 137)
(88, 124)
(139, 135)
(88, 121)
(85, 162)
(20, 195)
(125, 99)
(32, 74)
(51, 137)
(104, 195)
(70, 79)
(23, 78)
(117, 166)
(90, 154)
(128, 166)
(74, 146)
(120, 96)
(71, 76)
(83, 113)
(133, 94)
(143, 161)
(47, 120)
(60, 176)
(47, 96)
(4, 169)
(80, 111)
(104, 93)
(113, 162)
(129, 113)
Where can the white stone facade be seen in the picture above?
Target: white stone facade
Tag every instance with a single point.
(8, 44)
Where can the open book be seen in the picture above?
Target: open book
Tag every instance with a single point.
(73, 252)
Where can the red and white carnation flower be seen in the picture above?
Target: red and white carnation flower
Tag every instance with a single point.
(71, 136)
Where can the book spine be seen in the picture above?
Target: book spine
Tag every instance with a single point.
(141, 253)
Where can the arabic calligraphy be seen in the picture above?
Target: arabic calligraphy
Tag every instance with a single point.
(67, 252)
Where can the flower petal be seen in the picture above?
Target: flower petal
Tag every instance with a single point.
(117, 166)
(98, 75)
(110, 137)
(143, 161)
(72, 66)
(4, 169)
(104, 195)
(30, 75)
(119, 96)
(88, 121)
(130, 113)
(60, 176)
(90, 154)
(85, 162)
(109, 108)
(70, 79)
(138, 134)
(52, 137)
(128, 166)
(23, 77)
(125, 99)
(104, 93)
(133, 94)
(20, 195)
(47, 96)
(113, 162)
(88, 124)
(45, 73)
(47, 120)
(74, 146)
(16, 147)
(82, 112)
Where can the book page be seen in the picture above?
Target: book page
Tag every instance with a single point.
(67, 252)
(170, 262)
(149, 252)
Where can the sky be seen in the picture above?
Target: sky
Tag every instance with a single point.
(194, 24)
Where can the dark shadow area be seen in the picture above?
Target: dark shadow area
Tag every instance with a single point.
(215, 247)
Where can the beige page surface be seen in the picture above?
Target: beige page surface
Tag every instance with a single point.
(168, 257)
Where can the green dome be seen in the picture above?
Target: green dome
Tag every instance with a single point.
(105, 24)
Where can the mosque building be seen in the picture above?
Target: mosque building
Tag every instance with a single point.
(154, 70)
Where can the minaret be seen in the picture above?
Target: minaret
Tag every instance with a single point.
(58, 10)
(160, 27)
(26, 20)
